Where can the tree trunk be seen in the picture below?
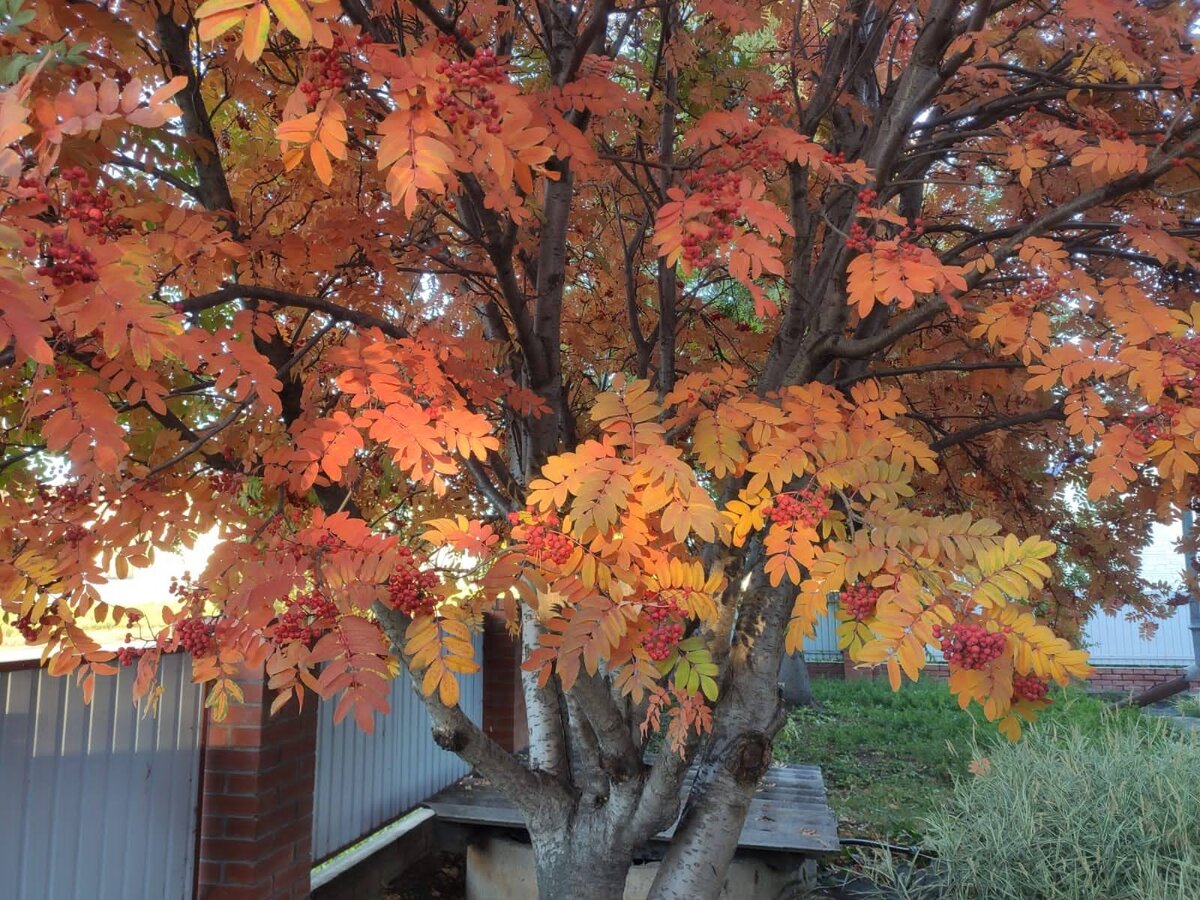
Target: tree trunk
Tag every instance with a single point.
(584, 857)
(794, 684)
(738, 754)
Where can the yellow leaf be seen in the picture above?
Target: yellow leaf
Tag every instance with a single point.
(256, 29)
(294, 18)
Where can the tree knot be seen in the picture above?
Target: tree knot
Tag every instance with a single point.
(750, 757)
(452, 739)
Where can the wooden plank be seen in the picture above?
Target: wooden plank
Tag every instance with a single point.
(789, 812)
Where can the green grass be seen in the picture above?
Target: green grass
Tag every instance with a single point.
(889, 758)
(1188, 705)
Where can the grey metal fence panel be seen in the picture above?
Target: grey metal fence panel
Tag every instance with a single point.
(366, 780)
(1113, 640)
(823, 646)
(98, 802)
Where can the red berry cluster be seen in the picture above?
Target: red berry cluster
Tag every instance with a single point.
(330, 543)
(658, 610)
(127, 656)
(721, 192)
(1106, 128)
(661, 640)
(188, 592)
(1156, 422)
(808, 507)
(306, 619)
(228, 483)
(195, 636)
(1029, 687)
(332, 74)
(768, 103)
(866, 197)
(1033, 294)
(969, 645)
(65, 262)
(858, 239)
(548, 544)
(28, 629)
(92, 207)
(468, 96)
(75, 534)
(835, 159)
(859, 600)
(409, 588)
(63, 494)
(667, 630)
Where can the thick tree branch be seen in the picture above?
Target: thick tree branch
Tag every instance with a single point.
(287, 298)
(1050, 413)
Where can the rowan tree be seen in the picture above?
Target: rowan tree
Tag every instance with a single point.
(645, 326)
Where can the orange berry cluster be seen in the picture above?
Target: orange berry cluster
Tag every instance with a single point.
(409, 588)
(1033, 294)
(859, 600)
(969, 645)
(306, 619)
(195, 636)
(471, 77)
(1029, 687)
(808, 507)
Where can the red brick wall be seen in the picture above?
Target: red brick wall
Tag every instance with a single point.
(503, 702)
(1117, 679)
(257, 800)
(1135, 679)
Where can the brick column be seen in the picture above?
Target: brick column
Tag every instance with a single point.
(257, 800)
(503, 702)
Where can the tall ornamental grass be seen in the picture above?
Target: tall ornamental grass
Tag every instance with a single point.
(1112, 813)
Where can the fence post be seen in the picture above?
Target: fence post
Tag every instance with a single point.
(503, 701)
(256, 803)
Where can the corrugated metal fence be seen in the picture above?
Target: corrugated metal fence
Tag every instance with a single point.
(96, 802)
(1115, 641)
(822, 646)
(366, 780)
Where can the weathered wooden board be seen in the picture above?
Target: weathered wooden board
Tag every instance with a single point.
(789, 813)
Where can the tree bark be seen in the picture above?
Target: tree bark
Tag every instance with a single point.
(584, 857)
(738, 754)
(794, 683)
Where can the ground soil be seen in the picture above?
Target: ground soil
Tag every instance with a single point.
(440, 875)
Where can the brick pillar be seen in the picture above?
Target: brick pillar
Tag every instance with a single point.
(503, 702)
(257, 800)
